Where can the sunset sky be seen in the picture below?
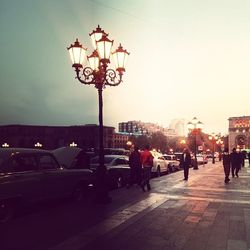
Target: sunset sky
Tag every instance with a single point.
(188, 58)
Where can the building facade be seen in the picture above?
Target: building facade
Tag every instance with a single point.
(52, 137)
(144, 128)
(179, 126)
(120, 140)
(239, 133)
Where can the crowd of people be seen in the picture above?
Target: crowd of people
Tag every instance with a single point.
(141, 163)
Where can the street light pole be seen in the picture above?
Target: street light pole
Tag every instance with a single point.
(194, 127)
(99, 75)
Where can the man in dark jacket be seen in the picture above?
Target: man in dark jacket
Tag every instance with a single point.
(185, 162)
(235, 162)
(226, 161)
(135, 167)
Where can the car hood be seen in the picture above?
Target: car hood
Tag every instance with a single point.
(66, 155)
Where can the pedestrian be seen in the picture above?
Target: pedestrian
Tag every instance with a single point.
(147, 164)
(243, 157)
(236, 162)
(185, 162)
(248, 155)
(135, 166)
(226, 161)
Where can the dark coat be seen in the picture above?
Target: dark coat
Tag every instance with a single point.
(135, 159)
(226, 159)
(235, 159)
(187, 161)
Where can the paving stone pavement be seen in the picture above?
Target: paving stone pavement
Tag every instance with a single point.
(202, 213)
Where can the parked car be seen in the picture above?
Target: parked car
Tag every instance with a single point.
(172, 163)
(201, 159)
(159, 164)
(118, 170)
(32, 175)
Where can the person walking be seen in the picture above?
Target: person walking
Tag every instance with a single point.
(235, 162)
(147, 164)
(135, 167)
(226, 161)
(185, 162)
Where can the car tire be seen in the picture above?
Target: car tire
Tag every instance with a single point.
(79, 193)
(6, 210)
(119, 181)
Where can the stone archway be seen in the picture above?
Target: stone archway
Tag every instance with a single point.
(241, 141)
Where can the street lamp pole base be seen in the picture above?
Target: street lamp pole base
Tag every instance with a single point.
(195, 167)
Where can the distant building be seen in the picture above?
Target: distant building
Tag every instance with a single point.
(143, 128)
(120, 140)
(239, 132)
(51, 137)
(179, 126)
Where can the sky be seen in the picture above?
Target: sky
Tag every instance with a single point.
(187, 58)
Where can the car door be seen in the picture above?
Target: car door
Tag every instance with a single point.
(161, 162)
(56, 182)
(23, 178)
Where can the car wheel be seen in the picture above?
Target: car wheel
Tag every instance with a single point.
(119, 182)
(158, 171)
(6, 210)
(79, 193)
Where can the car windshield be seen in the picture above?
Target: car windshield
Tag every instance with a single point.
(167, 157)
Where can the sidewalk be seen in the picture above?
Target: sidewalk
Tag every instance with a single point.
(201, 213)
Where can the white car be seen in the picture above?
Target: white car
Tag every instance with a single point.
(172, 163)
(201, 159)
(159, 164)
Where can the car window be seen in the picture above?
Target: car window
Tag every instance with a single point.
(47, 162)
(120, 161)
(107, 160)
(21, 163)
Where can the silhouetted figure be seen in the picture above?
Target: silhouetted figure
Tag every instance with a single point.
(235, 162)
(226, 161)
(185, 162)
(135, 167)
(147, 164)
(220, 156)
(243, 157)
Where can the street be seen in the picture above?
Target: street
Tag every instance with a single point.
(201, 213)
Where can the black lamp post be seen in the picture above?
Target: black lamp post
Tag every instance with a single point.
(99, 75)
(195, 127)
(213, 138)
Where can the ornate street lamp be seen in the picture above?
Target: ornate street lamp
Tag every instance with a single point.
(99, 75)
(195, 127)
(5, 145)
(213, 138)
(38, 145)
(73, 144)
